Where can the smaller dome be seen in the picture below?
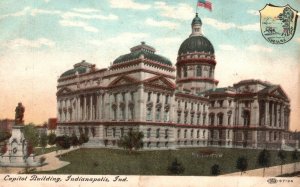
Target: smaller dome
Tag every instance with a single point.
(145, 50)
(196, 44)
(80, 68)
(196, 20)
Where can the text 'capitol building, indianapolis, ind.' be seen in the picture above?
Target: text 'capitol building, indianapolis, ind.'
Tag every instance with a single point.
(140, 92)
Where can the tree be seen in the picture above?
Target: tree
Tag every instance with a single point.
(74, 140)
(83, 138)
(51, 139)
(132, 141)
(264, 159)
(43, 141)
(4, 135)
(31, 135)
(295, 157)
(282, 156)
(176, 168)
(242, 164)
(63, 142)
(215, 170)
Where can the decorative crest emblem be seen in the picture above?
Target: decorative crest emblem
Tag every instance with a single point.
(278, 23)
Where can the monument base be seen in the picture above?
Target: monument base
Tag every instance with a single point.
(17, 154)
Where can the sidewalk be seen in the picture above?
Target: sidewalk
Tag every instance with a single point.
(52, 160)
(269, 172)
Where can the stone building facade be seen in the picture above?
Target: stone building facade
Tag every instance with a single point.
(141, 92)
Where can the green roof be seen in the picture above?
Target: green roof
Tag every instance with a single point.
(147, 51)
(80, 70)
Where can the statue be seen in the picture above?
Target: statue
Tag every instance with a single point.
(20, 109)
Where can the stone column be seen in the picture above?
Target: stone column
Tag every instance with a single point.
(84, 107)
(267, 119)
(127, 98)
(91, 108)
(140, 109)
(282, 116)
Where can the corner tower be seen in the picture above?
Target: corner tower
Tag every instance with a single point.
(196, 61)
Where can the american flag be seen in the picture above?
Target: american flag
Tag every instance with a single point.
(205, 4)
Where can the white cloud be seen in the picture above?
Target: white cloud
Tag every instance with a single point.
(179, 11)
(34, 12)
(47, 1)
(70, 15)
(227, 47)
(253, 12)
(155, 23)
(16, 14)
(228, 25)
(128, 4)
(85, 26)
(21, 42)
(85, 10)
(218, 24)
(259, 48)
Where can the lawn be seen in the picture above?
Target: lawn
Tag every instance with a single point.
(40, 151)
(115, 162)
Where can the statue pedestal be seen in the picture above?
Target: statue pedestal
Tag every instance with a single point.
(16, 154)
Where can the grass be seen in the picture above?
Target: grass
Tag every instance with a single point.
(39, 151)
(115, 162)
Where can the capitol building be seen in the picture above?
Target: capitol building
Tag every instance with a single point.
(174, 106)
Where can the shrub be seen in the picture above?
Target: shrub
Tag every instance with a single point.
(215, 170)
(176, 168)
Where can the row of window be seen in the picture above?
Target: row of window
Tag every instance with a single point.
(158, 98)
(198, 73)
(192, 105)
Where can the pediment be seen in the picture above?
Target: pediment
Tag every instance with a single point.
(122, 80)
(160, 81)
(278, 92)
(64, 91)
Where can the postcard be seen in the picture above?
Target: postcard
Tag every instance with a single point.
(149, 93)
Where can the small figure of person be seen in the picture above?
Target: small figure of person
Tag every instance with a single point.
(20, 109)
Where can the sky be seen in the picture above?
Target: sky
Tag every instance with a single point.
(41, 39)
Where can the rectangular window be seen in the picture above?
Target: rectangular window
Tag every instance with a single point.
(149, 97)
(167, 99)
(158, 98)
(122, 132)
(157, 133)
(148, 133)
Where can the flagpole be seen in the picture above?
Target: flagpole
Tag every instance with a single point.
(197, 6)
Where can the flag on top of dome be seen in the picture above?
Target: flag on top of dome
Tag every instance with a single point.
(205, 4)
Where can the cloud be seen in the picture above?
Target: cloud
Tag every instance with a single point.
(253, 12)
(155, 23)
(128, 4)
(71, 15)
(259, 48)
(85, 10)
(25, 43)
(227, 47)
(225, 26)
(179, 11)
(22, 12)
(80, 24)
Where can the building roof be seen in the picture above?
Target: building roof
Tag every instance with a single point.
(80, 68)
(196, 20)
(147, 51)
(196, 44)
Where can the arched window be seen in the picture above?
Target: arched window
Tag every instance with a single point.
(246, 116)
(185, 132)
(220, 118)
(166, 133)
(149, 114)
(211, 119)
(184, 71)
(157, 133)
(158, 114)
(199, 71)
(148, 133)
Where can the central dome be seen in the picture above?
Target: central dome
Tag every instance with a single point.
(196, 44)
